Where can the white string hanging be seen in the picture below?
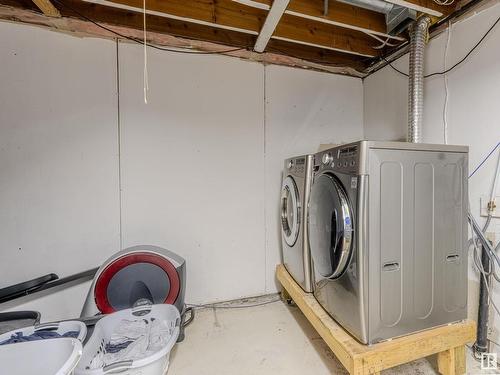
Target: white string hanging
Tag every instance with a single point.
(384, 42)
(145, 70)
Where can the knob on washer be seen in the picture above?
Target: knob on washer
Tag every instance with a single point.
(327, 158)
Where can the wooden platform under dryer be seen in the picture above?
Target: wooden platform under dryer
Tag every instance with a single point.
(448, 342)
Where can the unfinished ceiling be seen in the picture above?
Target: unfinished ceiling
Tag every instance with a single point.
(347, 36)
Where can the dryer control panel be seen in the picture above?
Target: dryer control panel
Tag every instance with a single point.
(343, 159)
(299, 167)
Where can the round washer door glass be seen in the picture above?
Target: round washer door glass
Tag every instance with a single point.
(330, 226)
(290, 218)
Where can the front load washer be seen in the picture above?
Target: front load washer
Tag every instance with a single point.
(387, 233)
(295, 189)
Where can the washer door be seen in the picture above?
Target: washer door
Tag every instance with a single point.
(330, 226)
(290, 211)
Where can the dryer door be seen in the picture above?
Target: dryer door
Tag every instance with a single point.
(330, 226)
(290, 211)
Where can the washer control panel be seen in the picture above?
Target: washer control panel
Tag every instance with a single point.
(296, 166)
(341, 159)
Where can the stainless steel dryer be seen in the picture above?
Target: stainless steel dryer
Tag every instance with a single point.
(387, 233)
(293, 213)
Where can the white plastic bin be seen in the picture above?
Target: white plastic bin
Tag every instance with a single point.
(154, 364)
(60, 327)
(43, 357)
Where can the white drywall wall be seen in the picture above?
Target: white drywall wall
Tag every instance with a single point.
(59, 209)
(200, 164)
(473, 107)
(63, 304)
(192, 166)
(303, 110)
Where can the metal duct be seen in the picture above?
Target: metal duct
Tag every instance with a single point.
(379, 6)
(418, 38)
(397, 17)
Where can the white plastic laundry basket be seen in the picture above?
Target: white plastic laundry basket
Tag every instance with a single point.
(155, 364)
(43, 357)
(61, 328)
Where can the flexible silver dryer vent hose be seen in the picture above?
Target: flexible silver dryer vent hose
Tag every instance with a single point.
(418, 39)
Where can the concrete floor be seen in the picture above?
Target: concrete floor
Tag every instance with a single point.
(271, 339)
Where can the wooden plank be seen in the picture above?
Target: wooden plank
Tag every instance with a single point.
(47, 8)
(422, 344)
(460, 362)
(317, 55)
(293, 29)
(452, 361)
(217, 13)
(231, 15)
(272, 19)
(340, 14)
(134, 19)
(446, 362)
(362, 359)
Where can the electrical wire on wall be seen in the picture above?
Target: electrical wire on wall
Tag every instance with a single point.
(484, 160)
(454, 65)
(445, 78)
(233, 304)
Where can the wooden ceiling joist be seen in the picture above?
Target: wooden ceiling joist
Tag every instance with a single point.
(340, 14)
(200, 16)
(346, 39)
(47, 8)
(171, 33)
(216, 13)
(329, 37)
(273, 18)
(227, 14)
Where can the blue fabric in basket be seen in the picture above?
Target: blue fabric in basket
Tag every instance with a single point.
(115, 348)
(39, 335)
